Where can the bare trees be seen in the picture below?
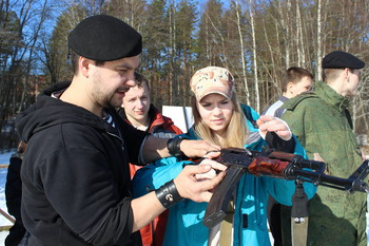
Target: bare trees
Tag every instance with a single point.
(257, 40)
(21, 26)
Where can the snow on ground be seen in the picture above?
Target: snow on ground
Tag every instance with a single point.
(4, 159)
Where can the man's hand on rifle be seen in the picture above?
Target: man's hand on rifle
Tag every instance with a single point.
(190, 187)
(269, 123)
(215, 166)
(197, 148)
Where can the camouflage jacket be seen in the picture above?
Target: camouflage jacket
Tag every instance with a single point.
(321, 122)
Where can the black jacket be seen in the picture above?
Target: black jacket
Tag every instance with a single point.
(76, 185)
(13, 195)
(13, 186)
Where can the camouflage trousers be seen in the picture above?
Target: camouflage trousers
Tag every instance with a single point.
(335, 218)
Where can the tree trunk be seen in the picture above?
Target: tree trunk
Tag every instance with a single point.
(242, 53)
(256, 81)
(301, 58)
(318, 57)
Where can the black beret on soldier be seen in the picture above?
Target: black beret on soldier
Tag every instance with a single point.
(105, 38)
(341, 59)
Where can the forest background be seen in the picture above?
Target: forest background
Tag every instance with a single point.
(257, 40)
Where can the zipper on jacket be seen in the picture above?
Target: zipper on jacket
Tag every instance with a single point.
(117, 137)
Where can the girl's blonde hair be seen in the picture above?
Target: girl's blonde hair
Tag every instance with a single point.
(237, 131)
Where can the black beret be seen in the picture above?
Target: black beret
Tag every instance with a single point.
(340, 59)
(105, 38)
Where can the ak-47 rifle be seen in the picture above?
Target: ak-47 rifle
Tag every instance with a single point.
(277, 164)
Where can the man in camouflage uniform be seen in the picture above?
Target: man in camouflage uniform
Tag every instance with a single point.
(323, 125)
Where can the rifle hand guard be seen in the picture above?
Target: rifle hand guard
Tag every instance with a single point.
(277, 164)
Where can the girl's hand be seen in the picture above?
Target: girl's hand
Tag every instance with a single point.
(269, 123)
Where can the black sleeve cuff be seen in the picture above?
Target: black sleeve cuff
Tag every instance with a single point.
(277, 143)
(168, 194)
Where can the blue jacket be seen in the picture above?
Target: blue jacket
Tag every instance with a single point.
(185, 225)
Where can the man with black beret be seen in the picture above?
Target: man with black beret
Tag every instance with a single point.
(322, 123)
(75, 174)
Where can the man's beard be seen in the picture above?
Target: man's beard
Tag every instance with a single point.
(100, 98)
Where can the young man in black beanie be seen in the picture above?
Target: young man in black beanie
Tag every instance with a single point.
(76, 184)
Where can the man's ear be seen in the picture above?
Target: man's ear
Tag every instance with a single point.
(289, 87)
(347, 72)
(84, 66)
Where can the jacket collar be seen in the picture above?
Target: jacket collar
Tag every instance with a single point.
(48, 112)
(331, 97)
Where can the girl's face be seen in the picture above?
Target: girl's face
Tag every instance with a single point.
(216, 112)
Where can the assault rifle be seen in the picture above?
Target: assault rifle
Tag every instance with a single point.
(277, 164)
